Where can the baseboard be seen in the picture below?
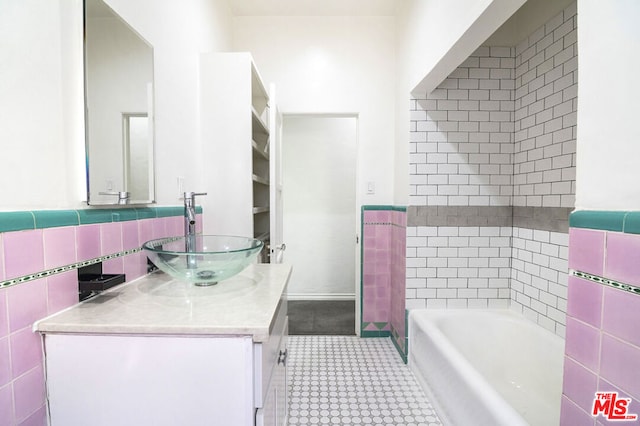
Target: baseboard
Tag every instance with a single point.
(321, 296)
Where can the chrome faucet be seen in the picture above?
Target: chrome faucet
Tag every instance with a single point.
(190, 226)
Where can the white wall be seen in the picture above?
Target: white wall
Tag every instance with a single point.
(41, 94)
(333, 65)
(318, 154)
(41, 104)
(440, 35)
(608, 176)
(178, 33)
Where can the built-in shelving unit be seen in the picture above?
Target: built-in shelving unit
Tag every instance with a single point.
(260, 159)
(235, 108)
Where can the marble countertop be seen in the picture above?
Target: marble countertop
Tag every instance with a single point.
(158, 304)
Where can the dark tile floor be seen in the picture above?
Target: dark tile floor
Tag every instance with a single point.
(322, 317)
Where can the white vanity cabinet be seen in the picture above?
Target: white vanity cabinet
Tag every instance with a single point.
(127, 358)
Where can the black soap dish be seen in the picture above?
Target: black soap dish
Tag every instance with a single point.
(91, 281)
(99, 282)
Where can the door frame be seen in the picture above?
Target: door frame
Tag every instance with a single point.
(358, 199)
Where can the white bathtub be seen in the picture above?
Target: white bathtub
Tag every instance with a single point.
(487, 367)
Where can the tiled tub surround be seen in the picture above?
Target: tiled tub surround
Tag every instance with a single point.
(458, 256)
(462, 133)
(500, 130)
(383, 274)
(492, 179)
(539, 277)
(602, 341)
(39, 254)
(546, 90)
(540, 243)
(489, 257)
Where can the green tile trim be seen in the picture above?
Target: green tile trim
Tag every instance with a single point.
(373, 333)
(146, 212)
(124, 215)
(395, 336)
(384, 207)
(406, 332)
(169, 211)
(380, 325)
(16, 221)
(399, 349)
(95, 216)
(602, 220)
(362, 324)
(55, 218)
(632, 223)
(40, 219)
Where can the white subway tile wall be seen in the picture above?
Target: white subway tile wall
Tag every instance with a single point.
(499, 131)
(458, 267)
(546, 98)
(539, 277)
(462, 135)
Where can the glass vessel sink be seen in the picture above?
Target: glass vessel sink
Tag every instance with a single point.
(212, 258)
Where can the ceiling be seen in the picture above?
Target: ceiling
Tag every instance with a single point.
(313, 7)
(527, 19)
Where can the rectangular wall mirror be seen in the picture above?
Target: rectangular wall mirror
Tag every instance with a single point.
(118, 65)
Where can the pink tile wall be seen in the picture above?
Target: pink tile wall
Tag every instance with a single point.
(22, 389)
(384, 235)
(376, 269)
(586, 250)
(602, 349)
(623, 258)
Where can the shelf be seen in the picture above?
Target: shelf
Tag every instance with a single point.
(257, 210)
(259, 151)
(264, 237)
(259, 126)
(258, 91)
(260, 180)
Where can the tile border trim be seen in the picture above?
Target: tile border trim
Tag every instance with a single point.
(401, 209)
(460, 216)
(65, 268)
(41, 219)
(606, 282)
(605, 220)
(552, 219)
(384, 207)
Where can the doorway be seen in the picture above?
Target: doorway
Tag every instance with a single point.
(319, 156)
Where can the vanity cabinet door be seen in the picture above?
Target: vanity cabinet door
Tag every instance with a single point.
(149, 380)
(280, 381)
(275, 407)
